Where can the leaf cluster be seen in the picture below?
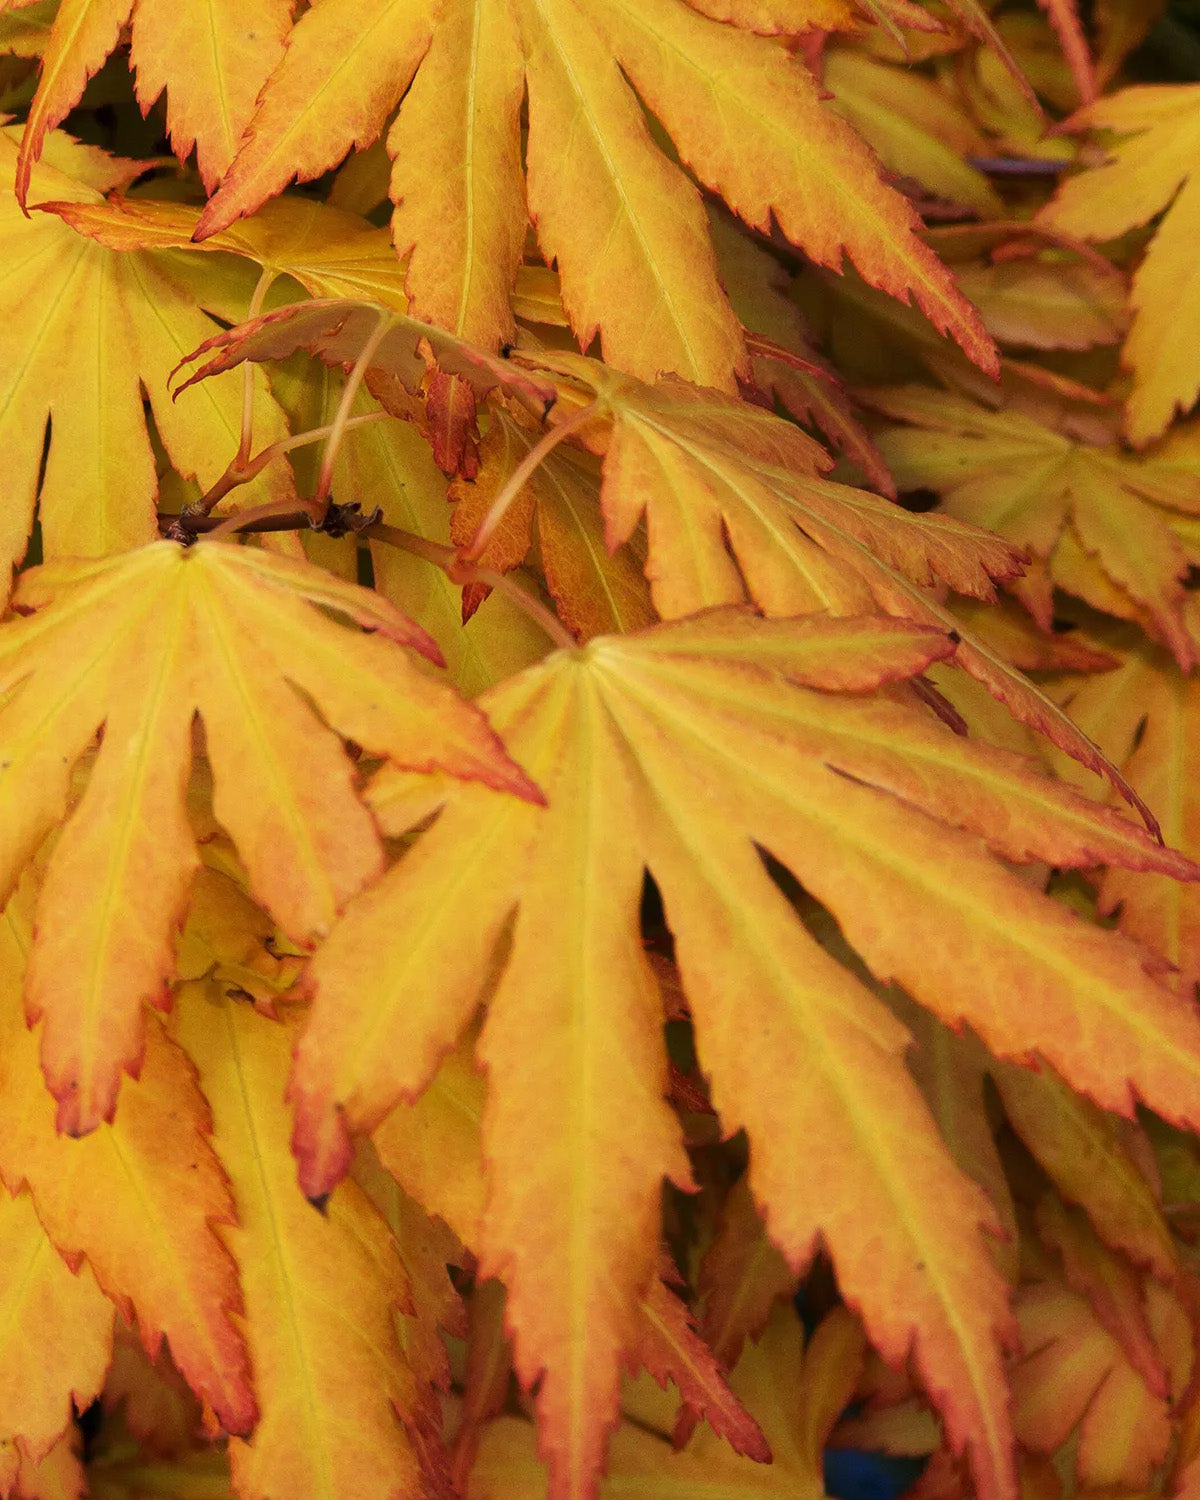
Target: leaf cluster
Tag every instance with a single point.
(597, 712)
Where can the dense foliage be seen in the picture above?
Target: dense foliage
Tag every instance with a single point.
(599, 747)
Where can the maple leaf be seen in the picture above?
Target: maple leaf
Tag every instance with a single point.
(108, 328)
(741, 468)
(674, 748)
(338, 330)
(211, 55)
(798, 1393)
(785, 365)
(57, 1338)
(433, 1147)
(916, 127)
(1145, 714)
(114, 1197)
(329, 252)
(670, 1349)
(1046, 301)
(1108, 1282)
(140, 643)
(1150, 170)
(1076, 1375)
(333, 1391)
(1091, 1159)
(1009, 472)
(715, 477)
(744, 116)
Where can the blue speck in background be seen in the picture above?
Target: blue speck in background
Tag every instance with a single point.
(852, 1474)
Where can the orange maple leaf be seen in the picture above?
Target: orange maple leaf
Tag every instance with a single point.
(140, 643)
(114, 1198)
(1023, 479)
(1152, 168)
(630, 243)
(674, 749)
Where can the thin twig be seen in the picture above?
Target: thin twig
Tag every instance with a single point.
(341, 417)
(188, 527)
(246, 440)
(246, 520)
(242, 473)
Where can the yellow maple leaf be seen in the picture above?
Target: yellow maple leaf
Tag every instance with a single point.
(915, 125)
(624, 224)
(140, 643)
(1151, 169)
(796, 1391)
(1009, 472)
(734, 497)
(1092, 1160)
(674, 749)
(1146, 715)
(109, 328)
(1046, 301)
(57, 1338)
(434, 1147)
(331, 253)
(333, 1391)
(212, 56)
(1076, 1376)
(137, 1198)
(1111, 1286)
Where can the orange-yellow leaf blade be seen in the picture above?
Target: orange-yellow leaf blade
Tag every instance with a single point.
(212, 57)
(83, 34)
(332, 1390)
(748, 120)
(464, 224)
(129, 845)
(346, 64)
(56, 1329)
(116, 1198)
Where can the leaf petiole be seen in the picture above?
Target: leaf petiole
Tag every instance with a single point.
(246, 440)
(461, 571)
(342, 418)
(520, 475)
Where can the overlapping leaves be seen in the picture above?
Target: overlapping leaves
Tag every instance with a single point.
(1151, 169)
(734, 498)
(1021, 478)
(88, 334)
(632, 249)
(680, 749)
(140, 644)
